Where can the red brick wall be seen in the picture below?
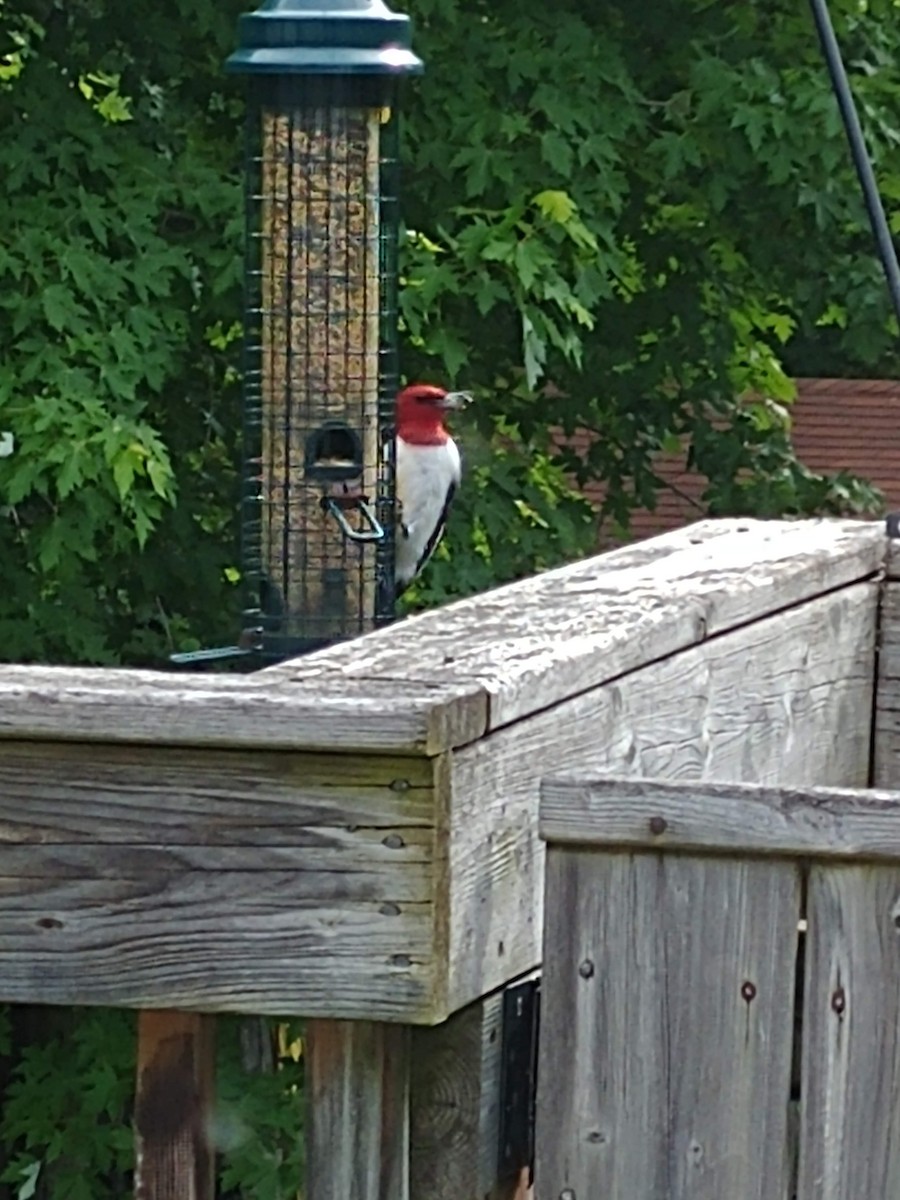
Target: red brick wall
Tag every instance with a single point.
(838, 424)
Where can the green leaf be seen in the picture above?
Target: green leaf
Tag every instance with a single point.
(30, 1176)
(557, 152)
(557, 206)
(528, 259)
(124, 466)
(499, 251)
(160, 477)
(535, 351)
(70, 474)
(487, 293)
(59, 306)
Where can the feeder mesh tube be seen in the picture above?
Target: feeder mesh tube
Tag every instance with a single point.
(319, 343)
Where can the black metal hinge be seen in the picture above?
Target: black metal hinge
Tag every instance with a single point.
(518, 1078)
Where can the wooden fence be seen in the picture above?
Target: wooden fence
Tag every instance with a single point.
(721, 973)
(674, 922)
(353, 837)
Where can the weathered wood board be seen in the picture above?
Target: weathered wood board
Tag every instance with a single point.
(850, 1112)
(456, 1069)
(886, 747)
(440, 679)
(219, 880)
(756, 705)
(173, 1107)
(649, 814)
(354, 834)
(155, 708)
(546, 639)
(357, 1125)
(851, 1115)
(665, 1049)
(631, 858)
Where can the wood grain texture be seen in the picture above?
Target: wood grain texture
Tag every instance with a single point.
(759, 705)
(70, 793)
(545, 639)
(722, 818)
(156, 707)
(173, 1107)
(886, 742)
(357, 1121)
(247, 942)
(442, 678)
(850, 1133)
(456, 1104)
(403, 883)
(212, 880)
(666, 1027)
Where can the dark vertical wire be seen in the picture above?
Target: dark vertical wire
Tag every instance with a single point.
(862, 162)
(247, 555)
(268, 401)
(331, 124)
(267, 279)
(349, 560)
(382, 555)
(264, 331)
(256, 329)
(338, 278)
(310, 118)
(251, 514)
(356, 290)
(266, 334)
(388, 208)
(369, 216)
(287, 498)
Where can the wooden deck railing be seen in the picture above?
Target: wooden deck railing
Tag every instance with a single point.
(352, 837)
(722, 959)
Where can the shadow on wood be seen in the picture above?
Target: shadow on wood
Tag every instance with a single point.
(174, 1157)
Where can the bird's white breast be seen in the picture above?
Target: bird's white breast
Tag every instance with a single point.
(424, 476)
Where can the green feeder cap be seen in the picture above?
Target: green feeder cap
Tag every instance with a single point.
(324, 37)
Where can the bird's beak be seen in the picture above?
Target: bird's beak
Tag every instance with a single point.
(455, 400)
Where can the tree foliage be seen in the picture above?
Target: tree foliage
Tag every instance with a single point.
(617, 225)
(655, 217)
(120, 266)
(638, 227)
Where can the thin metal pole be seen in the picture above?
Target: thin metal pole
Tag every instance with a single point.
(862, 162)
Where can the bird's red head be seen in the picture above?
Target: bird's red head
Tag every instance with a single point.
(421, 409)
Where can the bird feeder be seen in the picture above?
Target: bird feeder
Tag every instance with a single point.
(320, 364)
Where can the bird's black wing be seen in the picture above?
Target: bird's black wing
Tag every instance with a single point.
(438, 532)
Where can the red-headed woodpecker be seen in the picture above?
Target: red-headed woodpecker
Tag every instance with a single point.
(428, 474)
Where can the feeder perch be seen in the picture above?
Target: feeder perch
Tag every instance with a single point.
(320, 320)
